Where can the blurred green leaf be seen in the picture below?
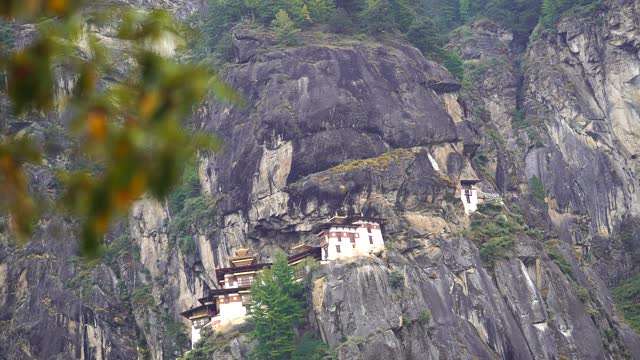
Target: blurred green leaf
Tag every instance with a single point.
(130, 135)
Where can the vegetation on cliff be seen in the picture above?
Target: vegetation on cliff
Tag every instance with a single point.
(627, 298)
(277, 308)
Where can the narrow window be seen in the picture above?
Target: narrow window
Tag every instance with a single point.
(371, 240)
(338, 248)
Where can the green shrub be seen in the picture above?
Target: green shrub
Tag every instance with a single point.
(396, 279)
(424, 35)
(284, 28)
(122, 248)
(175, 338)
(197, 212)
(311, 348)
(321, 11)
(424, 317)
(190, 210)
(495, 249)
(208, 344)
(536, 189)
(82, 281)
(551, 247)
(188, 188)
(387, 15)
(583, 294)
(481, 159)
(341, 22)
(552, 10)
(519, 120)
(142, 298)
(627, 298)
(495, 230)
(453, 62)
(187, 246)
(476, 70)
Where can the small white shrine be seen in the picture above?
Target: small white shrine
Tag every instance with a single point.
(469, 195)
(346, 236)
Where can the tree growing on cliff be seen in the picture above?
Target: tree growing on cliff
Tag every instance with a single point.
(284, 28)
(321, 10)
(277, 308)
(387, 15)
(424, 35)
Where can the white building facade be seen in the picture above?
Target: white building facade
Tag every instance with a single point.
(350, 236)
(469, 196)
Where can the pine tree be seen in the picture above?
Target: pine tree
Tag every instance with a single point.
(403, 15)
(321, 10)
(424, 35)
(306, 15)
(341, 22)
(295, 9)
(378, 16)
(352, 6)
(549, 12)
(450, 14)
(276, 310)
(284, 29)
(465, 9)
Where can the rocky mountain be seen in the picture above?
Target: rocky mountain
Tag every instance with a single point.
(352, 125)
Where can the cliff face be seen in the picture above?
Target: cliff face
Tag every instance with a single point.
(581, 85)
(367, 127)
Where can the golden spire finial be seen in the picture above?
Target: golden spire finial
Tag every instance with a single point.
(242, 252)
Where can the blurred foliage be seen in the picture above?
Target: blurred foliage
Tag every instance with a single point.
(131, 134)
(142, 299)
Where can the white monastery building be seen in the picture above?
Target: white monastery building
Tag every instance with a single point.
(346, 236)
(228, 304)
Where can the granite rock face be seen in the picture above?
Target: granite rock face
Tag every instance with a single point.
(41, 316)
(473, 313)
(586, 98)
